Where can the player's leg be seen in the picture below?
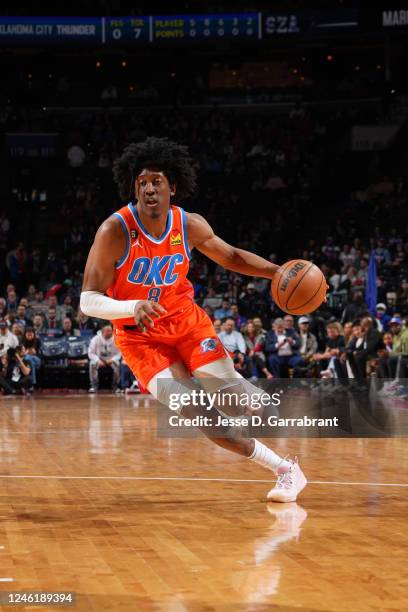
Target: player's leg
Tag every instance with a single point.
(222, 375)
(176, 381)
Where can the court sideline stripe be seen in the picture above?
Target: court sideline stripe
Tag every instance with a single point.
(192, 479)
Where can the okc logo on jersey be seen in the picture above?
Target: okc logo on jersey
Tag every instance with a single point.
(209, 344)
(158, 271)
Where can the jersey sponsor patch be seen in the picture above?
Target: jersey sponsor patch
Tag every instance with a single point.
(175, 238)
(208, 344)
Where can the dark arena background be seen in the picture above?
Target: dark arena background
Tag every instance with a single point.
(296, 117)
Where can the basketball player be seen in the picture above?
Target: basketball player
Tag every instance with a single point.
(136, 275)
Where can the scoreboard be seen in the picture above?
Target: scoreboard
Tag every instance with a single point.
(35, 31)
(128, 30)
(207, 27)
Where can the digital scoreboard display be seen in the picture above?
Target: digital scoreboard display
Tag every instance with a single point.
(129, 30)
(243, 26)
(20, 31)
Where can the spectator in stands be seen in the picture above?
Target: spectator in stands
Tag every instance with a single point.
(52, 302)
(224, 311)
(213, 299)
(372, 342)
(7, 339)
(347, 331)
(28, 310)
(250, 302)
(308, 347)
(217, 326)
(282, 344)
(346, 362)
(242, 364)
(39, 325)
(86, 325)
(232, 339)
(355, 309)
(32, 347)
(15, 373)
(67, 308)
(68, 329)
(383, 319)
(334, 344)
(52, 321)
(102, 354)
(18, 330)
(259, 328)
(255, 343)
(11, 301)
(393, 364)
(21, 317)
(238, 318)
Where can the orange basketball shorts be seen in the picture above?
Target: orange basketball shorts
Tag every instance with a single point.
(186, 336)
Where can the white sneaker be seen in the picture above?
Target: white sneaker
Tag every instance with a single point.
(289, 484)
(92, 390)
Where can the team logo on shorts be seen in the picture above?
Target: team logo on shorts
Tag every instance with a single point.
(175, 238)
(209, 344)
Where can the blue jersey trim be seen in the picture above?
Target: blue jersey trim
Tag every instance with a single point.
(185, 235)
(124, 257)
(140, 224)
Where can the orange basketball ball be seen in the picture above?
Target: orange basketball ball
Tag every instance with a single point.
(298, 287)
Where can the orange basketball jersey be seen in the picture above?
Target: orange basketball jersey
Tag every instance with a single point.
(153, 268)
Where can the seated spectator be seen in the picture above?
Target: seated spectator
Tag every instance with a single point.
(52, 321)
(255, 343)
(345, 363)
(383, 319)
(238, 318)
(18, 330)
(212, 299)
(209, 311)
(224, 311)
(394, 364)
(242, 364)
(7, 339)
(39, 325)
(86, 325)
(103, 353)
(334, 343)
(15, 373)
(32, 347)
(68, 328)
(21, 316)
(308, 347)
(355, 309)
(282, 345)
(67, 308)
(259, 328)
(372, 341)
(347, 331)
(232, 339)
(217, 326)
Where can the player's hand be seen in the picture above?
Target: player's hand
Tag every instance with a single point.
(145, 311)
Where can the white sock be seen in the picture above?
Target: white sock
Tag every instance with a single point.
(267, 458)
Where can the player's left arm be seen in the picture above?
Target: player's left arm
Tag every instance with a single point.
(202, 237)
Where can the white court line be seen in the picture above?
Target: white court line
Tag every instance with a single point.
(6, 579)
(192, 479)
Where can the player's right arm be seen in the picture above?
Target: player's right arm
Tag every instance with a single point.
(108, 247)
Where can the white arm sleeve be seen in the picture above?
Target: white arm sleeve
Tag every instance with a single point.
(95, 304)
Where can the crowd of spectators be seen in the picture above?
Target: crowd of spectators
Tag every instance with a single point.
(264, 182)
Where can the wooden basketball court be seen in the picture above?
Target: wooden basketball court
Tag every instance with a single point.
(93, 502)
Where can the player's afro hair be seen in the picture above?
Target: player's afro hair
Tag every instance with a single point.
(156, 154)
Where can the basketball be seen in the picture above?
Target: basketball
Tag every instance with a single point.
(298, 287)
